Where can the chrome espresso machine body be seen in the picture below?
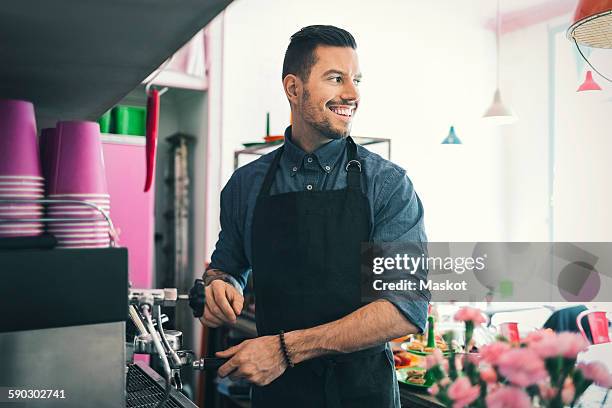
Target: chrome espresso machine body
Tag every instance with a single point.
(63, 327)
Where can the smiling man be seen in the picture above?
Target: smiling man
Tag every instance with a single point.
(296, 218)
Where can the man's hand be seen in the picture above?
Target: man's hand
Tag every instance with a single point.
(259, 360)
(223, 304)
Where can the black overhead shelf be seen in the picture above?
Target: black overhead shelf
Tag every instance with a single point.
(74, 59)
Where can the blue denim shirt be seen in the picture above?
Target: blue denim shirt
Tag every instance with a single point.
(396, 212)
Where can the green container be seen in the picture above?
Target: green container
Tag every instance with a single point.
(129, 120)
(105, 122)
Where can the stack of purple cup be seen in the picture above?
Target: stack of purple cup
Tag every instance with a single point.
(74, 166)
(21, 177)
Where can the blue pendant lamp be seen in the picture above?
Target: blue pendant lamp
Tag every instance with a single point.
(452, 137)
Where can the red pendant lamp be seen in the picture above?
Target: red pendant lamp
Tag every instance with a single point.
(592, 26)
(592, 23)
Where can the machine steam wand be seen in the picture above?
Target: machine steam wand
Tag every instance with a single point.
(167, 343)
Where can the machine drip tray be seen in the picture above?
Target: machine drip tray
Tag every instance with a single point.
(145, 388)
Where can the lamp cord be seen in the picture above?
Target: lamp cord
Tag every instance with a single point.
(497, 41)
(588, 62)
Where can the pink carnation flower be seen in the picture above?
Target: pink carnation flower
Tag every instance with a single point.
(434, 359)
(564, 344)
(462, 392)
(470, 314)
(508, 397)
(546, 346)
(596, 372)
(570, 344)
(491, 352)
(522, 367)
(488, 375)
(538, 335)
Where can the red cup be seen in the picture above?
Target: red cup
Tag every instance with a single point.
(510, 331)
(598, 323)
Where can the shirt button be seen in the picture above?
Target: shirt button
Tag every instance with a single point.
(294, 169)
(327, 168)
(309, 187)
(309, 160)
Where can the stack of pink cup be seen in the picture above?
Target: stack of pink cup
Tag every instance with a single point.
(21, 177)
(73, 162)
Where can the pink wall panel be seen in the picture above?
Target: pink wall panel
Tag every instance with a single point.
(132, 210)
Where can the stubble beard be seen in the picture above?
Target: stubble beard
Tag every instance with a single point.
(324, 127)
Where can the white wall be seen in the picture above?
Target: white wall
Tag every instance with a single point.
(561, 135)
(426, 65)
(524, 84)
(541, 73)
(583, 192)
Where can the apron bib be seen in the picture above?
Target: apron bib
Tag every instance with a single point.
(306, 272)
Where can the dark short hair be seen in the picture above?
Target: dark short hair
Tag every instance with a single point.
(300, 55)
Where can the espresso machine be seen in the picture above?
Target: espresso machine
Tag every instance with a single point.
(145, 311)
(64, 329)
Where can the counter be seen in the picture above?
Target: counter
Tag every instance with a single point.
(416, 399)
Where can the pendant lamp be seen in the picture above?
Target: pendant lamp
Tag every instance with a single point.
(452, 137)
(589, 84)
(592, 23)
(498, 113)
(592, 26)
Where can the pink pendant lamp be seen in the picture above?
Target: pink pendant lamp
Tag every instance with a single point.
(589, 84)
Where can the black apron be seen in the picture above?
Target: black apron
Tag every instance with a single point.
(306, 272)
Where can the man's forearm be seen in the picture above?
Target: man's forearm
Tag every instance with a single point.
(375, 323)
(213, 274)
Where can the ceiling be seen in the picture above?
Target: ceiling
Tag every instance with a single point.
(517, 14)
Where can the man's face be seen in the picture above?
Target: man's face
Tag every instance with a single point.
(331, 95)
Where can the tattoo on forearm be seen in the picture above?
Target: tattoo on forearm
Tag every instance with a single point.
(214, 274)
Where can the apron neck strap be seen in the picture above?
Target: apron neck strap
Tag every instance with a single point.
(353, 168)
(267, 183)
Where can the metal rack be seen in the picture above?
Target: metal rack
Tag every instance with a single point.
(105, 217)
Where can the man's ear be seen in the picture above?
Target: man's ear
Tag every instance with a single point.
(292, 86)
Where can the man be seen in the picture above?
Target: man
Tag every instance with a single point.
(297, 217)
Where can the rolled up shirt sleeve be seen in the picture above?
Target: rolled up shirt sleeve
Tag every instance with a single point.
(398, 217)
(229, 256)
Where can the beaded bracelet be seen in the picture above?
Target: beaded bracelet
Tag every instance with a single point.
(283, 345)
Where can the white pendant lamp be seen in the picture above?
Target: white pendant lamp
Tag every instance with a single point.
(498, 113)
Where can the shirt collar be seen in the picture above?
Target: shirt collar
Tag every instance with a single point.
(326, 155)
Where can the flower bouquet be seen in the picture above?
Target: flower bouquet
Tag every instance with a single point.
(538, 371)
